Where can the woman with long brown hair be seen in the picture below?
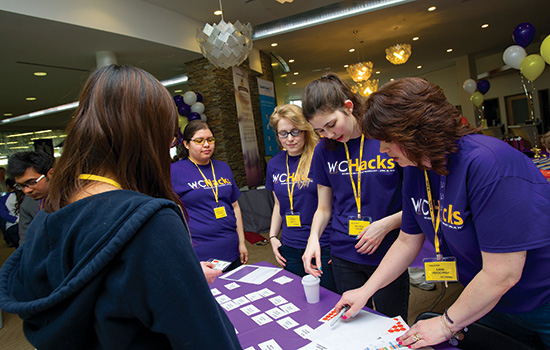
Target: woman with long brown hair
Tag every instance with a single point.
(109, 263)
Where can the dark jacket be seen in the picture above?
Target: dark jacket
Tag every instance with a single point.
(113, 271)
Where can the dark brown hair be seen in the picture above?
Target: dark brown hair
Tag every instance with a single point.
(327, 95)
(416, 114)
(123, 127)
(190, 129)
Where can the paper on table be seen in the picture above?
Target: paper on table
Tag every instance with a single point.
(251, 274)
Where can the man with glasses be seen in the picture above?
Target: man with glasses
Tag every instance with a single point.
(32, 172)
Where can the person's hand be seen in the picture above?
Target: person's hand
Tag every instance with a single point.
(355, 298)
(209, 273)
(370, 238)
(275, 244)
(313, 250)
(424, 333)
(243, 253)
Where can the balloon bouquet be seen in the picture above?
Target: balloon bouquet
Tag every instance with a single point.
(190, 107)
(477, 90)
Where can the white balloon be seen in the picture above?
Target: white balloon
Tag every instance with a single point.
(469, 86)
(513, 56)
(197, 107)
(203, 117)
(190, 98)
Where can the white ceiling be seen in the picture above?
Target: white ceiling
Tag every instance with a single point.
(67, 52)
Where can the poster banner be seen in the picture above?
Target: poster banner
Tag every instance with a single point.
(249, 143)
(267, 106)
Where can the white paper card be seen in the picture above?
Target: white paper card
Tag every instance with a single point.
(232, 286)
(270, 345)
(261, 319)
(283, 280)
(223, 299)
(250, 310)
(241, 301)
(230, 305)
(215, 291)
(275, 313)
(253, 296)
(304, 331)
(266, 292)
(287, 322)
(289, 308)
(278, 300)
(251, 274)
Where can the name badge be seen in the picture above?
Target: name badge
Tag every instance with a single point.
(293, 219)
(220, 212)
(356, 225)
(443, 270)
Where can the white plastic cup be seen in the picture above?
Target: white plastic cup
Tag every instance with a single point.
(311, 288)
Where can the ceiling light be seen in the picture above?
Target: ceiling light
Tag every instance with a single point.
(293, 83)
(351, 50)
(40, 74)
(486, 25)
(416, 38)
(346, 65)
(30, 98)
(360, 71)
(449, 50)
(392, 79)
(177, 91)
(218, 12)
(418, 67)
(8, 114)
(274, 44)
(365, 88)
(398, 53)
(291, 60)
(377, 72)
(283, 76)
(432, 8)
(296, 73)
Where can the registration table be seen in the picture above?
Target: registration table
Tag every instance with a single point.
(272, 315)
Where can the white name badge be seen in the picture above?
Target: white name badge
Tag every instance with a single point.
(293, 219)
(356, 224)
(220, 212)
(443, 270)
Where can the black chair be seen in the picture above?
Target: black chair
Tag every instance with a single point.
(482, 337)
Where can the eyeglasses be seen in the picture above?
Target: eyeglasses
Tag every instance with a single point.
(200, 140)
(293, 132)
(29, 183)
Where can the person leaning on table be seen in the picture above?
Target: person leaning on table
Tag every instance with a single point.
(109, 263)
(494, 220)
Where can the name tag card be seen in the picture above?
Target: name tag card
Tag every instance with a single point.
(357, 224)
(293, 219)
(443, 270)
(220, 212)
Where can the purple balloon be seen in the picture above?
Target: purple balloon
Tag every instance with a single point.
(184, 109)
(194, 116)
(523, 34)
(199, 97)
(483, 86)
(178, 99)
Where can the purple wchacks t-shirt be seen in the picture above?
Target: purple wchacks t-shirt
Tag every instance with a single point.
(212, 238)
(494, 200)
(381, 181)
(304, 200)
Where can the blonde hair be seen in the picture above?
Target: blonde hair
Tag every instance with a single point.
(545, 141)
(295, 115)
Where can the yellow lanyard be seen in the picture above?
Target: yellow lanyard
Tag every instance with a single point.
(435, 222)
(214, 186)
(289, 189)
(356, 191)
(100, 179)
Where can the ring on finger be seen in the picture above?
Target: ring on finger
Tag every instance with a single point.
(416, 337)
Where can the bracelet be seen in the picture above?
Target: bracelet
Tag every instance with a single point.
(273, 237)
(447, 316)
(443, 326)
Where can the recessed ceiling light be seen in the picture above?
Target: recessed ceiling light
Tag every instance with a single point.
(218, 12)
(8, 114)
(346, 65)
(283, 76)
(296, 73)
(30, 98)
(293, 83)
(418, 67)
(377, 72)
(40, 74)
(486, 25)
(432, 8)
(178, 91)
(291, 60)
(391, 79)
(274, 44)
(416, 38)
(449, 50)
(351, 50)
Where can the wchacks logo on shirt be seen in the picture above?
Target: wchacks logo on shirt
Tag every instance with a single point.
(450, 217)
(373, 164)
(209, 183)
(284, 178)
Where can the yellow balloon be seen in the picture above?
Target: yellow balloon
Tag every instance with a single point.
(477, 99)
(545, 49)
(532, 67)
(182, 122)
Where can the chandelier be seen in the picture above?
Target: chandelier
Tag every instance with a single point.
(365, 88)
(225, 44)
(360, 71)
(398, 53)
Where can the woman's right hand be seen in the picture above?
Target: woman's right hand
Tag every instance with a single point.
(355, 298)
(313, 250)
(275, 244)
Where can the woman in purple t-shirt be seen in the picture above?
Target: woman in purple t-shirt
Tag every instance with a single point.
(482, 203)
(359, 189)
(208, 190)
(294, 192)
